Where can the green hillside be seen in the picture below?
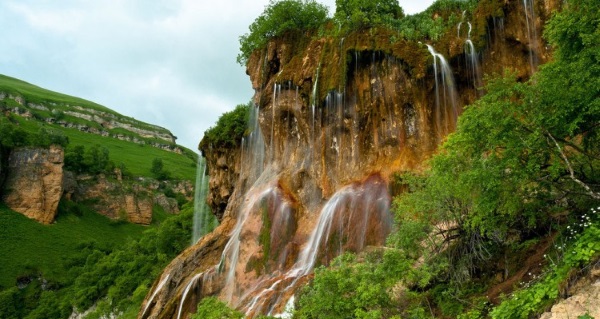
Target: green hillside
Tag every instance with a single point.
(53, 116)
(43, 268)
(40, 95)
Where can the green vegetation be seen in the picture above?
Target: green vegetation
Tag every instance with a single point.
(230, 128)
(281, 17)
(213, 308)
(137, 158)
(357, 14)
(290, 17)
(36, 94)
(59, 102)
(81, 260)
(25, 242)
(46, 108)
(521, 169)
(158, 170)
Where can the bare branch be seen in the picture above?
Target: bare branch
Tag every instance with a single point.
(590, 192)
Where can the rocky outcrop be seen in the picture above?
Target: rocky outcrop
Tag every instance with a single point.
(334, 120)
(94, 120)
(224, 173)
(34, 182)
(127, 200)
(584, 298)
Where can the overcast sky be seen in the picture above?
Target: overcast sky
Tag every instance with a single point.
(165, 62)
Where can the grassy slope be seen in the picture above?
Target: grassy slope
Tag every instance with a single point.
(37, 94)
(137, 158)
(28, 245)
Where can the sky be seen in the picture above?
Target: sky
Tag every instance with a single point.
(166, 62)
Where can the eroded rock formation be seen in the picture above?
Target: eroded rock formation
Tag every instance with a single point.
(33, 185)
(334, 120)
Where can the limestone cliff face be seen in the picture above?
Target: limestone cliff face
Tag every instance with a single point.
(224, 173)
(33, 185)
(118, 199)
(334, 120)
(36, 182)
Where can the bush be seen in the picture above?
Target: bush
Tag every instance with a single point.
(94, 160)
(158, 170)
(360, 14)
(213, 308)
(278, 18)
(230, 128)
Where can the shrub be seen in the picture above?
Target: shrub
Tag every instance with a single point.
(213, 308)
(278, 18)
(360, 14)
(158, 169)
(230, 128)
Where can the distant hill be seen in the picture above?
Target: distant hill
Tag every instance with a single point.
(111, 195)
(131, 142)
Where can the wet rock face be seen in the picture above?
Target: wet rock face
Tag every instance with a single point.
(224, 168)
(332, 122)
(33, 185)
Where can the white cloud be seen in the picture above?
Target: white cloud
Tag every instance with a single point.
(167, 62)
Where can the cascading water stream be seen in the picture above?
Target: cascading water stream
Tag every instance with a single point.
(528, 8)
(473, 62)
(203, 221)
(446, 102)
(355, 213)
(162, 282)
(192, 282)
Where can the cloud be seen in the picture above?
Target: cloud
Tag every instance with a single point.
(166, 62)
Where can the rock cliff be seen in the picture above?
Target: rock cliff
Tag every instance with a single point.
(36, 182)
(335, 119)
(33, 186)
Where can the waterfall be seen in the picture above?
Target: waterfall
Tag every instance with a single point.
(192, 282)
(253, 154)
(446, 109)
(204, 221)
(357, 215)
(528, 8)
(472, 61)
(163, 281)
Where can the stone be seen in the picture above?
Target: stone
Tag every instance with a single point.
(34, 183)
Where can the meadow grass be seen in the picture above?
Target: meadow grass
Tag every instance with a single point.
(29, 247)
(136, 157)
(36, 94)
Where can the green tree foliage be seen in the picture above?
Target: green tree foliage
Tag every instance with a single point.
(346, 290)
(213, 308)
(279, 17)
(11, 136)
(115, 279)
(522, 157)
(522, 152)
(93, 160)
(230, 128)
(158, 169)
(361, 14)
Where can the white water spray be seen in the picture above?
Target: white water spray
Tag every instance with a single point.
(204, 221)
(446, 100)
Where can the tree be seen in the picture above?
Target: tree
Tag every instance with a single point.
(360, 14)
(158, 169)
(230, 128)
(521, 153)
(278, 18)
